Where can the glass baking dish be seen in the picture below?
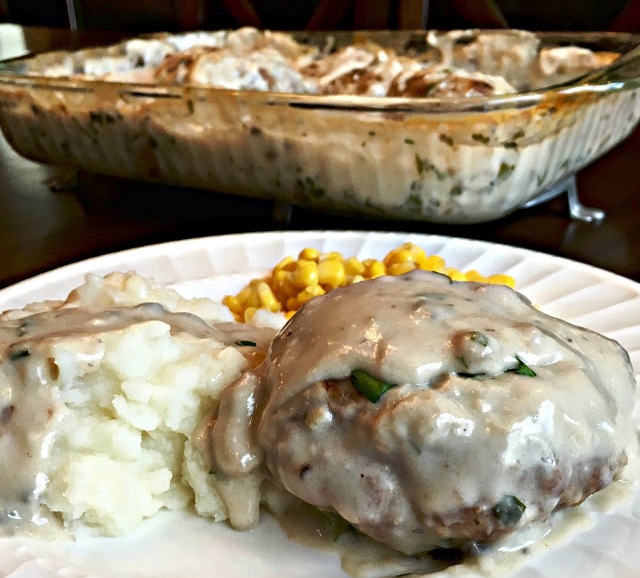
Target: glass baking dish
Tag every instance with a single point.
(453, 160)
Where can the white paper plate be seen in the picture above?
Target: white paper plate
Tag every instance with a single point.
(178, 545)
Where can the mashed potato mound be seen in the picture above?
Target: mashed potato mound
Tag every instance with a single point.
(126, 406)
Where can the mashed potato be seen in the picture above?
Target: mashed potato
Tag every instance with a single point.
(104, 397)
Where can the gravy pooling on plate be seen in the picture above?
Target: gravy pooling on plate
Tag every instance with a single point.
(429, 413)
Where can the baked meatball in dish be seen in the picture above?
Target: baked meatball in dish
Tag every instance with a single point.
(431, 413)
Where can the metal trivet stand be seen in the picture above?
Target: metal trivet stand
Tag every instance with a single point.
(576, 209)
(282, 212)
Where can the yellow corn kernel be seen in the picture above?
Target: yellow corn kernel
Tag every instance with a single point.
(389, 256)
(475, 277)
(500, 279)
(374, 268)
(331, 272)
(455, 275)
(416, 252)
(352, 266)
(309, 254)
(267, 298)
(294, 281)
(309, 293)
(432, 263)
(331, 256)
(284, 264)
(254, 299)
(409, 251)
(286, 287)
(292, 304)
(279, 278)
(233, 303)
(243, 296)
(401, 268)
(305, 274)
(402, 256)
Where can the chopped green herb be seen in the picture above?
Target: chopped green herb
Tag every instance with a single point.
(19, 354)
(480, 138)
(446, 139)
(313, 189)
(255, 131)
(369, 204)
(518, 134)
(414, 202)
(523, 369)
(439, 174)
(409, 141)
(372, 133)
(369, 386)
(456, 190)
(244, 342)
(416, 447)
(505, 170)
(190, 106)
(511, 144)
(479, 338)
(423, 166)
(509, 510)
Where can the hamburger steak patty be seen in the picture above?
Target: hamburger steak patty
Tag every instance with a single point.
(432, 413)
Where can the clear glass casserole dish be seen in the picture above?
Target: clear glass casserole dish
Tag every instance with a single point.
(448, 160)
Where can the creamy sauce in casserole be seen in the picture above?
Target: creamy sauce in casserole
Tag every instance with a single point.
(495, 415)
(470, 64)
(29, 398)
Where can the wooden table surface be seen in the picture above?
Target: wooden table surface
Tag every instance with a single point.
(43, 225)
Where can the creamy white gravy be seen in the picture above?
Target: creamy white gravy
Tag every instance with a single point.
(496, 414)
(29, 398)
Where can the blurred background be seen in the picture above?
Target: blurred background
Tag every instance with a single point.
(155, 15)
